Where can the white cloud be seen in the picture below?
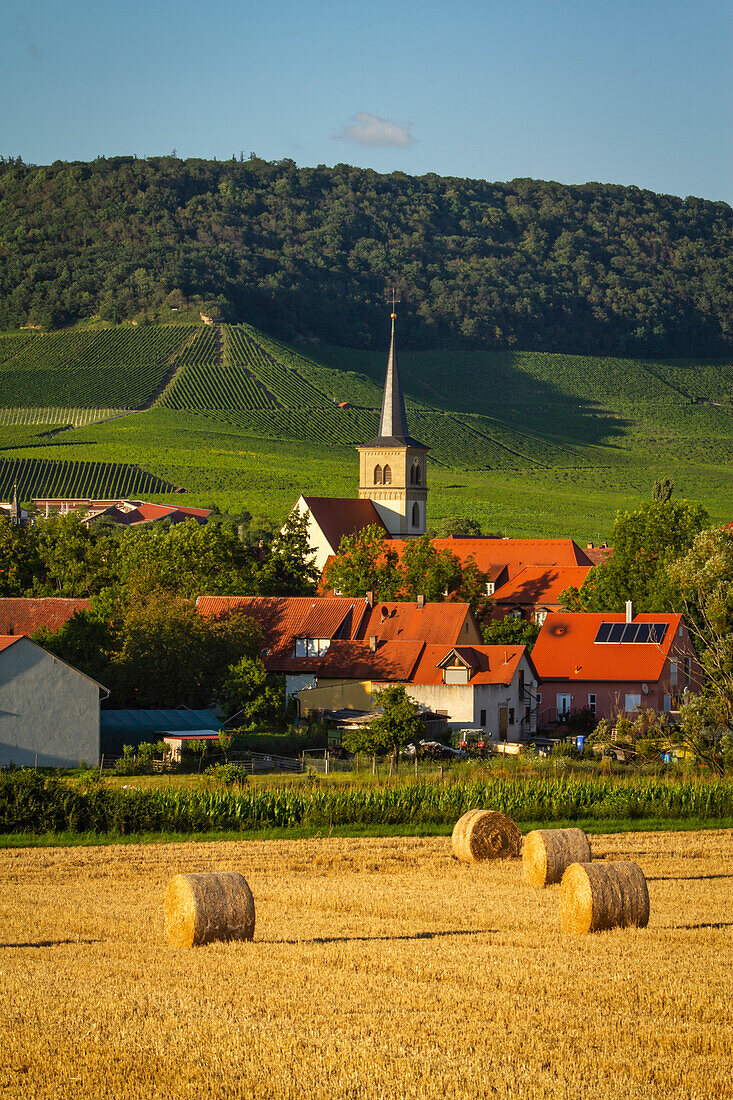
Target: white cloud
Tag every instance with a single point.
(366, 129)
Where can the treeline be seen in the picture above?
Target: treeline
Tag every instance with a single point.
(308, 252)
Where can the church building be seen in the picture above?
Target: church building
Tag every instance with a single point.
(393, 488)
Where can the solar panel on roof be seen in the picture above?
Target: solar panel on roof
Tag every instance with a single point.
(632, 633)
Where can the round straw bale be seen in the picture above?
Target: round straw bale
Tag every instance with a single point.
(485, 834)
(547, 853)
(597, 896)
(207, 907)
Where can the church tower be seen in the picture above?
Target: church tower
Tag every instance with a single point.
(393, 467)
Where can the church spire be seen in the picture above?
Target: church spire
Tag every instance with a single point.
(393, 420)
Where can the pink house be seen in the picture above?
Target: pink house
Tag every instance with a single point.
(613, 664)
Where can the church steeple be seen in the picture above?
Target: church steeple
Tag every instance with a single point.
(393, 418)
(393, 465)
(393, 421)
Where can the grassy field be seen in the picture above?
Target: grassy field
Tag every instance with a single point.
(247, 423)
(379, 968)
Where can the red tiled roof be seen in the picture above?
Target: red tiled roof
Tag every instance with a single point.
(566, 649)
(338, 517)
(599, 555)
(285, 618)
(489, 664)
(434, 622)
(8, 639)
(349, 660)
(541, 585)
(516, 554)
(282, 619)
(24, 615)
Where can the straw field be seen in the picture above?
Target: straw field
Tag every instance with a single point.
(379, 968)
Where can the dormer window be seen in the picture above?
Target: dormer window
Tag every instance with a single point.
(455, 670)
(311, 647)
(490, 587)
(455, 674)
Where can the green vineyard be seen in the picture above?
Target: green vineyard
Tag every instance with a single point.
(325, 425)
(215, 386)
(289, 388)
(78, 418)
(50, 478)
(113, 368)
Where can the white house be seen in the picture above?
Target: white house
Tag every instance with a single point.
(491, 689)
(49, 711)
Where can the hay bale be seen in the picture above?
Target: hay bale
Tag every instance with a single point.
(547, 853)
(207, 907)
(485, 834)
(598, 896)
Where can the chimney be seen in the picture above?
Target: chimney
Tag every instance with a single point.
(629, 611)
(369, 599)
(420, 603)
(372, 643)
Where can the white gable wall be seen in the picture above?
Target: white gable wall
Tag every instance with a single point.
(47, 709)
(318, 541)
(464, 703)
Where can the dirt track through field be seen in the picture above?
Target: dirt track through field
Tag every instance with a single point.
(379, 968)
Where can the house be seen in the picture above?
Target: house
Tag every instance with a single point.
(297, 631)
(534, 591)
(329, 519)
(611, 664)
(126, 513)
(490, 689)
(25, 614)
(49, 711)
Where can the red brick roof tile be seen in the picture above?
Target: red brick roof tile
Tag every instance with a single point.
(566, 649)
(541, 585)
(489, 664)
(24, 615)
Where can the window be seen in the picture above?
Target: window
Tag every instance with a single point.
(667, 705)
(416, 515)
(592, 702)
(539, 617)
(483, 718)
(673, 671)
(511, 716)
(387, 475)
(417, 473)
(453, 675)
(632, 703)
(515, 614)
(490, 586)
(688, 671)
(311, 647)
(377, 475)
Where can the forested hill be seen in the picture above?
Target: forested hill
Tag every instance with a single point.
(308, 252)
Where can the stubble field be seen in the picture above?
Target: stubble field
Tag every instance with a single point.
(379, 968)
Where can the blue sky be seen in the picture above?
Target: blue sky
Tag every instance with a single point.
(622, 91)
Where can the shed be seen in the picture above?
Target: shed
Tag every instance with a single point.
(131, 727)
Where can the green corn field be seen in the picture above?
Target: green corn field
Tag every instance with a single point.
(31, 802)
